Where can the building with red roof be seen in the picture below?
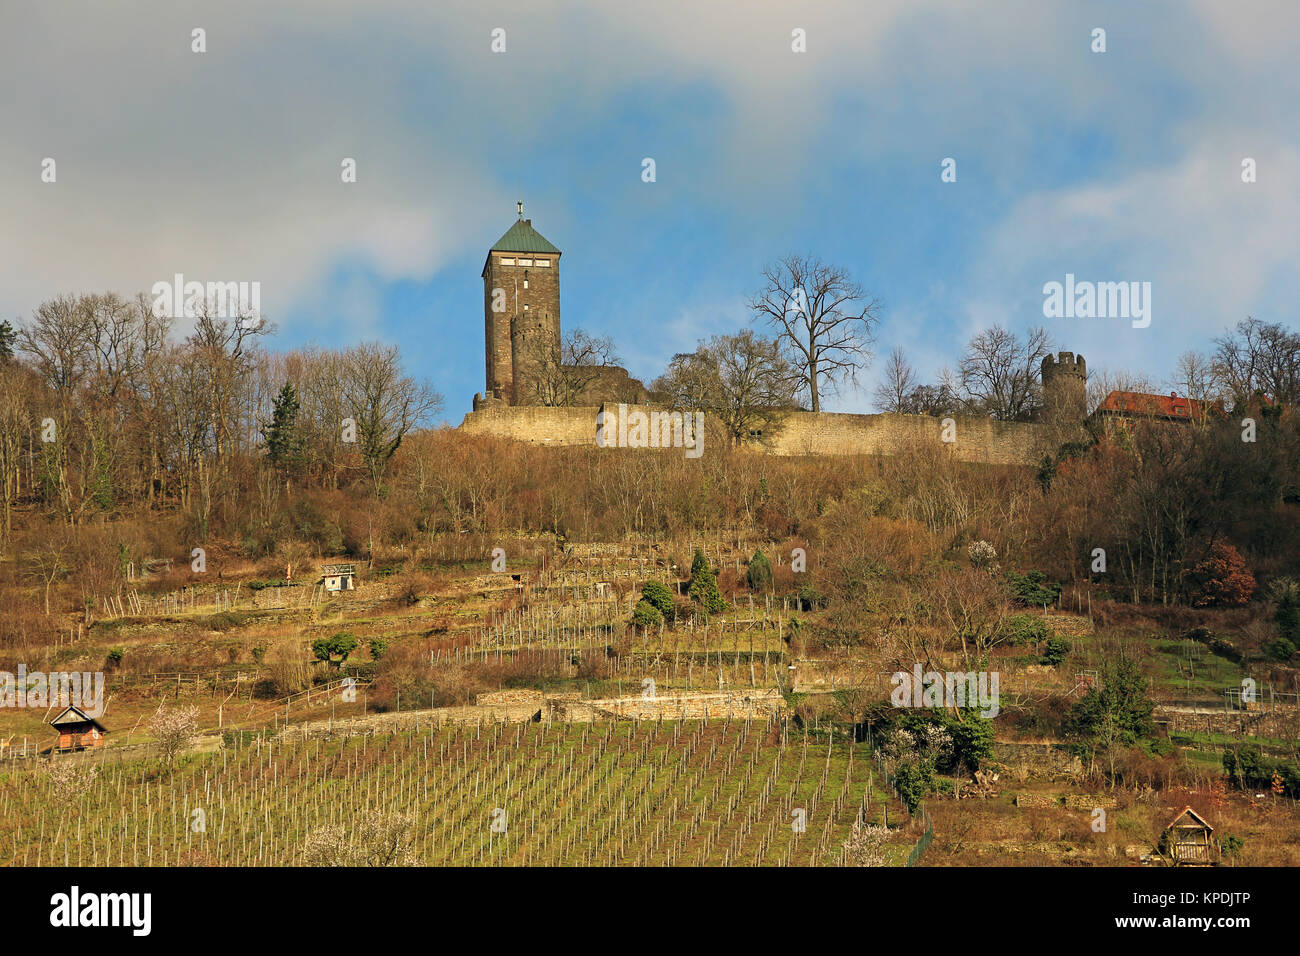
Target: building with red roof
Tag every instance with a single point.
(1130, 406)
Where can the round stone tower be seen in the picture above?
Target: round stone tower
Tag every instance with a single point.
(1065, 388)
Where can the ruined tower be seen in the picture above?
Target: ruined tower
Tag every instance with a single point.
(1065, 388)
(521, 308)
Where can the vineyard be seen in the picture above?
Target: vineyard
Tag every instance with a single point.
(721, 792)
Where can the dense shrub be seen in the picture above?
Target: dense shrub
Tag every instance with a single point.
(1024, 629)
(646, 615)
(1117, 712)
(810, 599)
(1222, 580)
(660, 596)
(339, 645)
(1285, 593)
(1058, 648)
(913, 780)
(759, 573)
(1249, 769)
(1032, 588)
(1225, 649)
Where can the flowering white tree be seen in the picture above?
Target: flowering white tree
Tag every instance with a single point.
(983, 555)
(69, 779)
(866, 845)
(173, 729)
(377, 839)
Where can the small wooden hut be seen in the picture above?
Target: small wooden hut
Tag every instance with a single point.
(78, 730)
(1189, 840)
(339, 577)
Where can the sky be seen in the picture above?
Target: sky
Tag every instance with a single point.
(225, 165)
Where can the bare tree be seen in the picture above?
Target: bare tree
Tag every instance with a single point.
(972, 605)
(14, 416)
(319, 377)
(896, 387)
(1194, 377)
(58, 341)
(999, 374)
(744, 380)
(825, 318)
(562, 375)
(937, 400)
(1259, 357)
(47, 564)
(223, 349)
(385, 403)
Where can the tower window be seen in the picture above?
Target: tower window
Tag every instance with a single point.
(507, 262)
(525, 283)
(525, 262)
(542, 263)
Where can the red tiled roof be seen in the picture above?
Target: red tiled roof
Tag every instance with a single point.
(1162, 406)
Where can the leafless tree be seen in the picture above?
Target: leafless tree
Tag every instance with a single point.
(14, 419)
(563, 375)
(744, 380)
(223, 349)
(937, 400)
(999, 374)
(899, 383)
(1259, 357)
(825, 318)
(58, 341)
(973, 607)
(385, 403)
(46, 564)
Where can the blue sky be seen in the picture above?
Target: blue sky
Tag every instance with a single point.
(1123, 165)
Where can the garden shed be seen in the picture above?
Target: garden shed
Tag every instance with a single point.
(78, 730)
(1189, 840)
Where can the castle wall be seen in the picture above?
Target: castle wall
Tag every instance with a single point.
(803, 433)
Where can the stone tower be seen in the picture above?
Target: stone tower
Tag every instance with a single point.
(1065, 388)
(521, 308)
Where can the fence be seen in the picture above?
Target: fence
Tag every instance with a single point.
(922, 844)
(927, 837)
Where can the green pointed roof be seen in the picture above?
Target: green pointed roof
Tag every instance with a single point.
(522, 237)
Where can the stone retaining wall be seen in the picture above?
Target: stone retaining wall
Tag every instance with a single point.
(801, 433)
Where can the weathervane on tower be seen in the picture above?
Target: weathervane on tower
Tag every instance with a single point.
(520, 204)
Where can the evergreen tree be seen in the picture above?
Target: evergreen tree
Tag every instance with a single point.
(1117, 712)
(759, 572)
(698, 563)
(704, 585)
(285, 444)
